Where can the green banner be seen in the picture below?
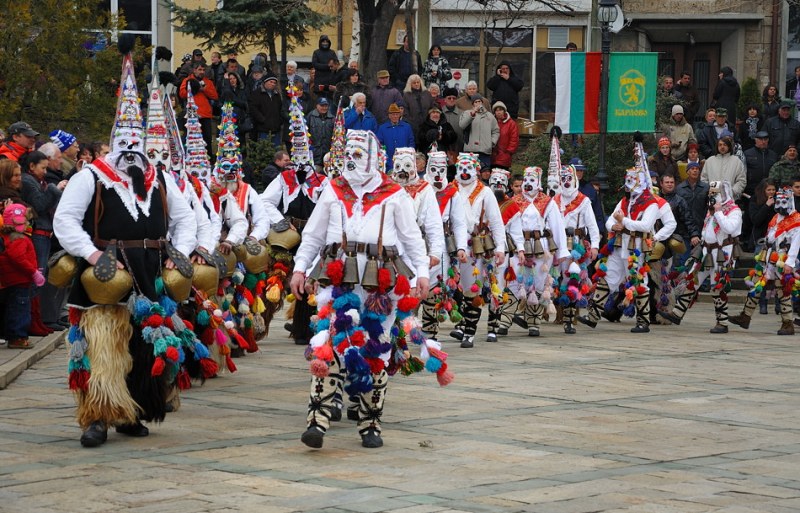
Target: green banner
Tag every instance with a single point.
(632, 90)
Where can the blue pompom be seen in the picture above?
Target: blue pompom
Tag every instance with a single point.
(141, 308)
(433, 364)
(74, 334)
(200, 351)
(582, 303)
(169, 305)
(629, 311)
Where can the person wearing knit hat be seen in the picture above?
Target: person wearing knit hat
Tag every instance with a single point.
(679, 131)
(62, 139)
(119, 372)
(662, 162)
(68, 144)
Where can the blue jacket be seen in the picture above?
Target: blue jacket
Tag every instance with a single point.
(352, 121)
(597, 206)
(396, 136)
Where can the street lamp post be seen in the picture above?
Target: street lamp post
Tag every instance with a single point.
(606, 15)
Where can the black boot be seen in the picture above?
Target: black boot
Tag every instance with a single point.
(136, 429)
(95, 435)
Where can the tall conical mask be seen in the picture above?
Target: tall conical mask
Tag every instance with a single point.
(335, 162)
(298, 131)
(128, 133)
(156, 141)
(554, 167)
(197, 163)
(228, 167)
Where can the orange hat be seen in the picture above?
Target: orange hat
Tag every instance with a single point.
(664, 141)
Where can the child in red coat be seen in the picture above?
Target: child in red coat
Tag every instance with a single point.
(19, 270)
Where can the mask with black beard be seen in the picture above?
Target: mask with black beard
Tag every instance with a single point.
(500, 195)
(127, 162)
(302, 174)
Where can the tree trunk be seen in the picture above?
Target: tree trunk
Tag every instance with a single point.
(355, 44)
(376, 25)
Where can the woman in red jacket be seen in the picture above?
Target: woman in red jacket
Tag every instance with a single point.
(19, 271)
(508, 142)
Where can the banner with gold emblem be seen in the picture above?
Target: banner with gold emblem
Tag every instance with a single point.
(632, 89)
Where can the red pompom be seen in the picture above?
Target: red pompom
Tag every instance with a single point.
(229, 363)
(641, 290)
(189, 325)
(376, 365)
(324, 352)
(384, 280)
(79, 380)
(248, 296)
(357, 338)
(280, 266)
(172, 354)
(184, 382)
(240, 341)
(324, 312)
(75, 316)
(154, 321)
(402, 287)
(208, 367)
(319, 368)
(168, 323)
(407, 304)
(335, 272)
(158, 367)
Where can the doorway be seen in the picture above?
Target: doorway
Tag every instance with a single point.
(701, 59)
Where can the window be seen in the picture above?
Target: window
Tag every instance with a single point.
(557, 37)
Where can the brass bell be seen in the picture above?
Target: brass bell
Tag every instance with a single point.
(316, 270)
(721, 257)
(488, 243)
(658, 251)
(708, 261)
(570, 243)
(178, 286)
(477, 246)
(527, 248)
(736, 252)
(205, 278)
(286, 240)
(538, 250)
(510, 246)
(350, 270)
(109, 292)
(618, 240)
(450, 244)
(254, 256)
(401, 267)
(369, 280)
(551, 244)
(631, 243)
(62, 269)
(230, 264)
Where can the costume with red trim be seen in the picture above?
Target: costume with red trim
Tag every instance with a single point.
(126, 340)
(365, 326)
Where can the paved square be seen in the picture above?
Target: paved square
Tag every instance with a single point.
(603, 421)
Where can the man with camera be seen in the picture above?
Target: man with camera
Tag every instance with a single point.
(484, 132)
(204, 92)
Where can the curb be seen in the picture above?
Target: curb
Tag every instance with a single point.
(10, 370)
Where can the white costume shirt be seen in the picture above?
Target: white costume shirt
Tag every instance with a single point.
(484, 202)
(80, 191)
(455, 212)
(254, 207)
(429, 218)
(234, 219)
(278, 190)
(205, 227)
(532, 219)
(581, 216)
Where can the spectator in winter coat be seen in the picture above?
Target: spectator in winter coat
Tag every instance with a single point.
(266, 108)
(320, 62)
(505, 87)
(452, 113)
(358, 117)
(783, 129)
(349, 86)
(402, 65)
(483, 130)
(320, 127)
(726, 166)
(21, 140)
(695, 192)
(751, 124)
(435, 129)
(784, 171)
(394, 134)
(708, 136)
(771, 101)
(204, 93)
(726, 94)
(759, 161)
(662, 162)
(679, 132)
(464, 103)
(383, 95)
(762, 209)
(508, 142)
(437, 69)
(278, 165)
(588, 189)
(418, 101)
(233, 92)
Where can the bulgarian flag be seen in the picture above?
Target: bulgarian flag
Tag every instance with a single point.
(578, 92)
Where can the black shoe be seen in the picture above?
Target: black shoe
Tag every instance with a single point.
(502, 331)
(371, 439)
(491, 337)
(95, 435)
(587, 321)
(352, 414)
(457, 334)
(533, 331)
(313, 437)
(336, 414)
(670, 316)
(569, 329)
(56, 327)
(719, 328)
(762, 309)
(301, 341)
(289, 326)
(468, 342)
(237, 352)
(136, 429)
(641, 328)
(520, 321)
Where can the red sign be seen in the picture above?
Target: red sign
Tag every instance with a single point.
(457, 75)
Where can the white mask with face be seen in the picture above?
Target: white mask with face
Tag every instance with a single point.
(404, 163)
(436, 169)
(467, 168)
(569, 182)
(532, 182)
(360, 157)
(784, 202)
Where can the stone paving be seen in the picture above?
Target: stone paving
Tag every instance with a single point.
(604, 421)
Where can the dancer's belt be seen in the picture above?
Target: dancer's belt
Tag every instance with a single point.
(634, 233)
(355, 247)
(726, 242)
(535, 234)
(131, 244)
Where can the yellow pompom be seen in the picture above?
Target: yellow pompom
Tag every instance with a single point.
(290, 297)
(312, 300)
(273, 294)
